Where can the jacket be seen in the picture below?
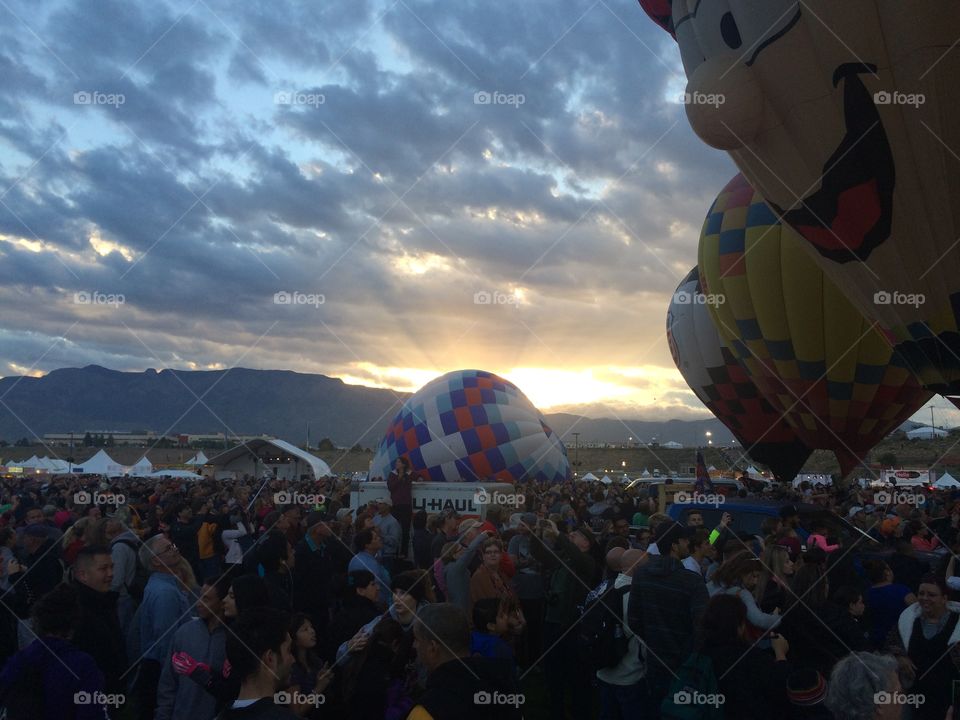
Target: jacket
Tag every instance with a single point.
(457, 575)
(753, 684)
(470, 688)
(164, 608)
(401, 488)
(901, 638)
(345, 625)
(178, 696)
(312, 574)
(98, 634)
(124, 561)
(262, 709)
(666, 603)
(574, 574)
(52, 656)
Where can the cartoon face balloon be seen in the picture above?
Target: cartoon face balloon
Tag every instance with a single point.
(475, 426)
(715, 376)
(810, 352)
(846, 116)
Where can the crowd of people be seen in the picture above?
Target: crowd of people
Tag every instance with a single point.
(274, 599)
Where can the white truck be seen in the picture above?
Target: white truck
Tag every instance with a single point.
(468, 499)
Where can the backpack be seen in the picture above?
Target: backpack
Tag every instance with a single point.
(601, 632)
(137, 587)
(694, 693)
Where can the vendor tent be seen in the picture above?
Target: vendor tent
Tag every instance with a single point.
(142, 467)
(198, 459)
(183, 474)
(606, 480)
(589, 477)
(99, 464)
(946, 481)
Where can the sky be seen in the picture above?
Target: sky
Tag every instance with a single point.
(380, 191)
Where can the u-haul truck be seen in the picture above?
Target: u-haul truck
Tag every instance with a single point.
(468, 499)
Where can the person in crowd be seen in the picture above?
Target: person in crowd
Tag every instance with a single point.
(906, 566)
(35, 572)
(313, 571)
(922, 538)
(573, 572)
(666, 602)
(752, 682)
(376, 681)
(793, 536)
(400, 486)
(165, 607)
(73, 539)
(814, 643)
(527, 583)
(258, 649)
(773, 589)
(928, 634)
(275, 564)
(245, 592)
(183, 534)
(422, 540)
(622, 688)
(51, 678)
(695, 519)
(701, 554)
(198, 651)
(740, 576)
(487, 580)
(390, 532)
(855, 683)
(457, 681)
(409, 595)
(367, 544)
(806, 693)
(818, 538)
(231, 538)
(844, 617)
(209, 543)
(98, 632)
(886, 600)
(360, 606)
(124, 546)
(491, 628)
(309, 675)
(8, 541)
(456, 559)
(449, 522)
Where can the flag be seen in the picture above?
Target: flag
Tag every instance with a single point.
(704, 483)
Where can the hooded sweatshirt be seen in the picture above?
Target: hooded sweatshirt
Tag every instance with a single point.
(179, 696)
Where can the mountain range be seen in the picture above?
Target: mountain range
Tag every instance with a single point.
(280, 403)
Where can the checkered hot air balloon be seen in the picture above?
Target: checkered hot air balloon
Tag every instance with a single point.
(474, 426)
(813, 356)
(715, 376)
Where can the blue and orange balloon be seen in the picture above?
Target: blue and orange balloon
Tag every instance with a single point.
(471, 425)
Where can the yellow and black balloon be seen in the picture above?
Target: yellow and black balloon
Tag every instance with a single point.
(846, 116)
(812, 354)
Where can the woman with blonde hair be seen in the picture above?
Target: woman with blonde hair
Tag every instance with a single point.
(73, 539)
(773, 590)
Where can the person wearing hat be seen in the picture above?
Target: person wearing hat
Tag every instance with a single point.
(449, 521)
(391, 532)
(575, 572)
(313, 571)
(806, 692)
(666, 603)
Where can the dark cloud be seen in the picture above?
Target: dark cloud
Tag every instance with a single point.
(397, 193)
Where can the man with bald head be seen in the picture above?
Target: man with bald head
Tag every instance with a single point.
(622, 687)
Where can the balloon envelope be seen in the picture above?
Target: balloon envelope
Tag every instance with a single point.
(846, 116)
(475, 426)
(715, 376)
(812, 354)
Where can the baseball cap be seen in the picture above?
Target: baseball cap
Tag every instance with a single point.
(385, 501)
(806, 687)
(854, 510)
(343, 512)
(316, 517)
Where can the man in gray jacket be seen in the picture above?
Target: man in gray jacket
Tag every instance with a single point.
(197, 651)
(124, 545)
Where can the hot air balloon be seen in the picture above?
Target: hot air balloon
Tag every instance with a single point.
(809, 351)
(846, 116)
(475, 426)
(715, 376)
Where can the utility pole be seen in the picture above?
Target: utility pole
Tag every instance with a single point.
(576, 449)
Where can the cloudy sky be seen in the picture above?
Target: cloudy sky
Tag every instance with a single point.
(376, 190)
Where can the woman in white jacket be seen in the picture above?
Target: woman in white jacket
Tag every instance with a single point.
(740, 576)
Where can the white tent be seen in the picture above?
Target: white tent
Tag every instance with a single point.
(926, 433)
(141, 467)
(671, 445)
(99, 464)
(589, 477)
(753, 472)
(645, 473)
(946, 481)
(58, 466)
(606, 480)
(274, 456)
(711, 469)
(198, 459)
(31, 463)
